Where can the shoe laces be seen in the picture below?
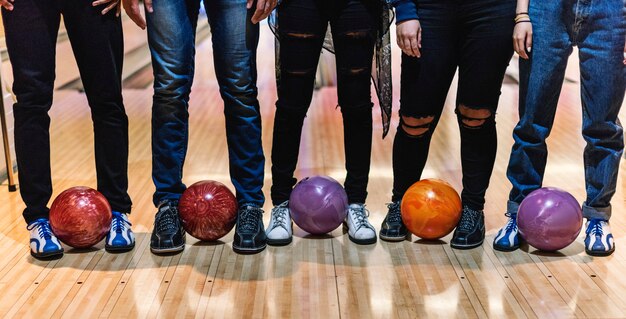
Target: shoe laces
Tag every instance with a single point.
(468, 219)
(359, 216)
(595, 227)
(43, 228)
(279, 215)
(167, 219)
(394, 214)
(249, 217)
(119, 223)
(511, 225)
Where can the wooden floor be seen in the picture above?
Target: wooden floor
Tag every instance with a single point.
(326, 277)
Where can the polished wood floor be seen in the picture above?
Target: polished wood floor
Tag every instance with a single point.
(321, 277)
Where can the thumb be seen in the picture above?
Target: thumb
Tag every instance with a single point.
(249, 4)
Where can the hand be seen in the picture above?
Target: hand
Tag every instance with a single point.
(134, 12)
(111, 4)
(7, 4)
(409, 37)
(523, 39)
(263, 9)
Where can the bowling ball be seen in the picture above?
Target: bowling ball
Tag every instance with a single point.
(80, 217)
(431, 208)
(549, 219)
(208, 210)
(318, 204)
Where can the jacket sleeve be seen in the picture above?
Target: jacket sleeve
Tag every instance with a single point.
(405, 9)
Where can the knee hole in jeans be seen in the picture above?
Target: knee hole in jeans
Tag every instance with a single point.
(416, 127)
(299, 35)
(473, 118)
(356, 34)
(303, 72)
(355, 71)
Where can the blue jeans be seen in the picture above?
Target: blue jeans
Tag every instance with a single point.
(598, 28)
(171, 36)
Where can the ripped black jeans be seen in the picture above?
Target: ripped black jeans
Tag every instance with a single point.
(475, 37)
(302, 27)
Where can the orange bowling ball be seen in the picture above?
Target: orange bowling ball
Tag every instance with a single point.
(431, 208)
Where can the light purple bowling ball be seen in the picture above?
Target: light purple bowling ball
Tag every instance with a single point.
(549, 219)
(318, 204)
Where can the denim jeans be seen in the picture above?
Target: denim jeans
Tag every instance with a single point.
(598, 28)
(302, 28)
(171, 36)
(31, 35)
(475, 37)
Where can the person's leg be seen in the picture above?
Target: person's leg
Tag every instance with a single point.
(98, 45)
(541, 79)
(171, 36)
(425, 82)
(302, 27)
(354, 27)
(486, 32)
(235, 41)
(31, 32)
(600, 38)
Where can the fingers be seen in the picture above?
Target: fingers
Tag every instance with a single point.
(100, 2)
(7, 4)
(263, 9)
(414, 48)
(134, 13)
(110, 7)
(148, 5)
(529, 41)
(519, 48)
(249, 4)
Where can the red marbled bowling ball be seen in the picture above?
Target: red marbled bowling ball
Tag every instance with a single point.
(80, 217)
(208, 210)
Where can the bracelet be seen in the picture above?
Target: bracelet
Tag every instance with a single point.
(516, 22)
(522, 17)
(521, 13)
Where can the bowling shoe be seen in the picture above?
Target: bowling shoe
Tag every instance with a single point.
(120, 237)
(470, 231)
(599, 239)
(168, 235)
(507, 238)
(43, 243)
(392, 228)
(249, 233)
(360, 231)
(279, 231)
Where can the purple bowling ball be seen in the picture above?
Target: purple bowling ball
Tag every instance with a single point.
(549, 219)
(318, 204)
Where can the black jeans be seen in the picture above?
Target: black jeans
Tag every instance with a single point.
(474, 36)
(31, 34)
(303, 25)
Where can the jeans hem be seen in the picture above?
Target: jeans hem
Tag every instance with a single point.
(596, 212)
(512, 207)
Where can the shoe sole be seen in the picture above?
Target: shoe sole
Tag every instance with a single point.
(368, 241)
(116, 249)
(279, 242)
(159, 251)
(599, 253)
(47, 256)
(505, 248)
(394, 238)
(248, 251)
(465, 247)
